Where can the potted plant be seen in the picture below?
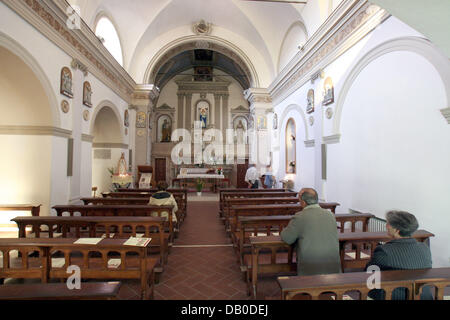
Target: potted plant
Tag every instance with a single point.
(199, 186)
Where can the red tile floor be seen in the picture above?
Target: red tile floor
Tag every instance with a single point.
(202, 264)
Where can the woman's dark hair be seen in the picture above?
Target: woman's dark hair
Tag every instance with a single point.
(405, 222)
(162, 186)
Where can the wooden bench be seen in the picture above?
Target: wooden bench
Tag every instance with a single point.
(254, 226)
(93, 261)
(281, 257)
(59, 291)
(231, 218)
(234, 195)
(117, 211)
(96, 227)
(180, 198)
(130, 202)
(339, 284)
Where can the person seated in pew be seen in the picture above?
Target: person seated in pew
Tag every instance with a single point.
(252, 177)
(314, 229)
(402, 252)
(164, 198)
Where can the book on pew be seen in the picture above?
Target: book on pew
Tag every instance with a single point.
(92, 241)
(114, 263)
(58, 262)
(137, 242)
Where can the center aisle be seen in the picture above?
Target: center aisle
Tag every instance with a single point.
(202, 264)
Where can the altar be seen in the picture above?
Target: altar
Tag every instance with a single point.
(209, 175)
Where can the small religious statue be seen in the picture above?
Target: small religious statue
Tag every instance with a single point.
(240, 130)
(166, 131)
(121, 178)
(87, 94)
(203, 118)
(66, 82)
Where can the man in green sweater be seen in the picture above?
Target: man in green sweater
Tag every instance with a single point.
(315, 231)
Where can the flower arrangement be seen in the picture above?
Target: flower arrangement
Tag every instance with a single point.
(199, 185)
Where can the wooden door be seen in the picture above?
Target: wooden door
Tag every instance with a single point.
(241, 171)
(160, 170)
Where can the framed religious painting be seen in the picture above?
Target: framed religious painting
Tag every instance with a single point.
(310, 102)
(141, 120)
(126, 119)
(87, 94)
(291, 147)
(328, 91)
(66, 82)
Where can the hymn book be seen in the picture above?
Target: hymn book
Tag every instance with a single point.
(92, 241)
(137, 242)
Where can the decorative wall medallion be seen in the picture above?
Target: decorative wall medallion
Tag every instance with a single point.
(65, 107)
(86, 115)
(87, 94)
(140, 133)
(126, 119)
(329, 113)
(310, 105)
(141, 120)
(66, 82)
(311, 121)
(202, 28)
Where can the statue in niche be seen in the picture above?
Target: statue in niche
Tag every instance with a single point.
(122, 166)
(240, 132)
(87, 94)
(203, 117)
(66, 82)
(166, 131)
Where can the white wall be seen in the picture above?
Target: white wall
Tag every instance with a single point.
(395, 150)
(394, 146)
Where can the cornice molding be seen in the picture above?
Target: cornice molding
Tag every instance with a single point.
(49, 18)
(87, 138)
(336, 138)
(35, 131)
(257, 95)
(347, 25)
(446, 114)
(310, 143)
(110, 146)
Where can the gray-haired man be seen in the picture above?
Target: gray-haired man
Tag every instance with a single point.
(401, 253)
(315, 230)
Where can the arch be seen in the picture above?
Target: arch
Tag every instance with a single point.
(15, 48)
(417, 45)
(207, 42)
(104, 14)
(295, 24)
(112, 106)
(297, 108)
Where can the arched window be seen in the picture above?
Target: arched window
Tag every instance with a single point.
(106, 31)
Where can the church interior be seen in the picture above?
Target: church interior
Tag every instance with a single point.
(103, 100)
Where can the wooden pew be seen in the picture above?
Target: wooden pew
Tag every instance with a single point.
(117, 211)
(232, 222)
(281, 256)
(130, 202)
(339, 284)
(59, 291)
(134, 263)
(96, 227)
(254, 226)
(222, 191)
(180, 198)
(266, 194)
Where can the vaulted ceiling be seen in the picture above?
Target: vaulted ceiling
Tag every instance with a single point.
(257, 28)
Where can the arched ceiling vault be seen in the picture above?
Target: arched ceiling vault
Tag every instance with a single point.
(259, 27)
